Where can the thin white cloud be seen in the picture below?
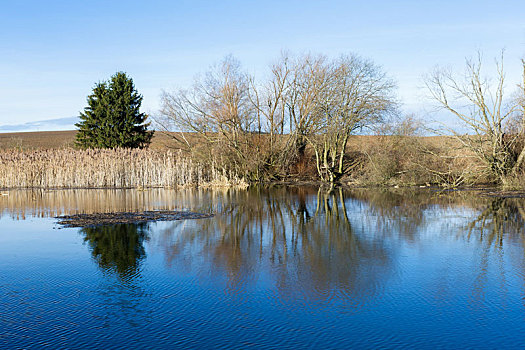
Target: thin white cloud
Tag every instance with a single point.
(42, 125)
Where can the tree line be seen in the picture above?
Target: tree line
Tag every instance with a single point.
(263, 130)
(304, 113)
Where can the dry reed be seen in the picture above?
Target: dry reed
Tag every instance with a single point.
(118, 168)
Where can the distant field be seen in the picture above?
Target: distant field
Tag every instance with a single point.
(58, 139)
(66, 139)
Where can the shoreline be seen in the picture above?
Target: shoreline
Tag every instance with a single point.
(483, 190)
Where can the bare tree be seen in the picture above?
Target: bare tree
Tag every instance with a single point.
(519, 131)
(481, 107)
(269, 101)
(306, 82)
(307, 100)
(324, 102)
(356, 94)
(218, 109)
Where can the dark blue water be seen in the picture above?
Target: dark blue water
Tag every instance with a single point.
(281, 268)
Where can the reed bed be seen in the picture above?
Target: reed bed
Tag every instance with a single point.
(105, 168)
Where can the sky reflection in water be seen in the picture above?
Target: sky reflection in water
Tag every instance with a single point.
(285, 267)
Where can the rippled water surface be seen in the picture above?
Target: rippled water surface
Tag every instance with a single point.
(279, 268)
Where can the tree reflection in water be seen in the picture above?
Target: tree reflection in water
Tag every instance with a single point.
(118, 247)
(498, 228)
(306, 242)
(299, 239)
(499, 218)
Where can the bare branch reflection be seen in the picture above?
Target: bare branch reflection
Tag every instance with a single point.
(299, 239)
(500, 217)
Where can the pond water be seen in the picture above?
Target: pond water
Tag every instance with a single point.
(274, 268)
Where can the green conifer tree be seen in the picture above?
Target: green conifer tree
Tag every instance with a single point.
(112, 117)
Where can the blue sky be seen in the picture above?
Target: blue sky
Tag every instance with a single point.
(52, 52)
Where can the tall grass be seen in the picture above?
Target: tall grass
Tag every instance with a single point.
(118, 168)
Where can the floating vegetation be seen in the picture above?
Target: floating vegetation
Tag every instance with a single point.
(99, 219)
